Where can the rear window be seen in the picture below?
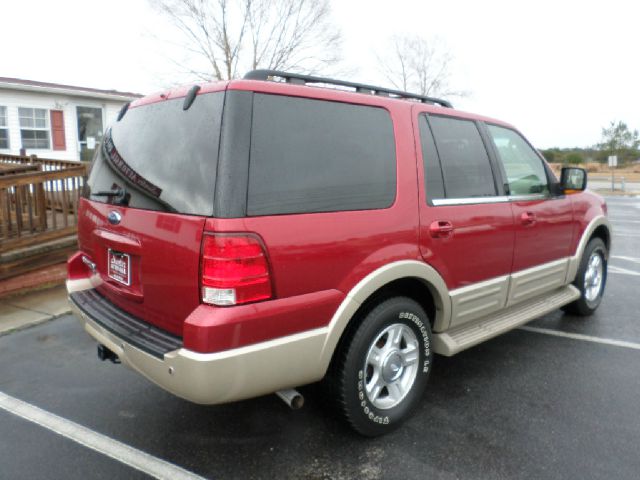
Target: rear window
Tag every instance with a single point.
(319, 156)
(164, 157)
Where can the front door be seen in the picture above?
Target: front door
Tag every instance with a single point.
(89, 131)
(543, 221)
(466, 223)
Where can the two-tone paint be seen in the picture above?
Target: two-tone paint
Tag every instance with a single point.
(326, 266)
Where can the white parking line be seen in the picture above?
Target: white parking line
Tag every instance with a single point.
(585, 338)
(628, 259)
(96, 441)
(623, 271)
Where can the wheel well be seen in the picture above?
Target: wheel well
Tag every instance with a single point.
(411, 287)
(603, 233)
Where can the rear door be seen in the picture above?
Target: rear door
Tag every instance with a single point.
(150, 190)
(466, 224)
(543, 221)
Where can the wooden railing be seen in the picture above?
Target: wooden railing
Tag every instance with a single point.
(38, 206)
(46, 163)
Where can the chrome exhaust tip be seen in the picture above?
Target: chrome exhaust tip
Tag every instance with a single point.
(291, 397)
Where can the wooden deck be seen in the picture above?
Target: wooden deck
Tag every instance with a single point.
(38, 205)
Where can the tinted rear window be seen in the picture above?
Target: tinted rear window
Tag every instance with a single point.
(168, 156)
(319, 156)
(465, 163)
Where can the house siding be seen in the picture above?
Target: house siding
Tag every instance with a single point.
(13, 99)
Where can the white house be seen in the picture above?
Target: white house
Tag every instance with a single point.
(55, 121)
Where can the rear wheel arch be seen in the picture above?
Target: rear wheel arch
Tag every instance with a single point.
(412, 279)
(411, 287)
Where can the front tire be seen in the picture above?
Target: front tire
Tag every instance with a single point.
(590, 279)
(382, 371)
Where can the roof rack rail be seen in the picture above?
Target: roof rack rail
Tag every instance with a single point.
(298, 79)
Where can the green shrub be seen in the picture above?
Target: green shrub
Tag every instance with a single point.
(574, 159)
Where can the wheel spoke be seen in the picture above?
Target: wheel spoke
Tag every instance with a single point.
(395, 391)
(588, 278)
(596, 262)
(409, 355)
(375, 386)
(395, 335)
(375, 358)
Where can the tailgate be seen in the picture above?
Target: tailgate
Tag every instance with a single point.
(149, 262)
(150, 188)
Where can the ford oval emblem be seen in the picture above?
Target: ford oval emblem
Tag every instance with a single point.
(114, 218)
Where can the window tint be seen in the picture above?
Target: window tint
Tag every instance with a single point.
(166, 157)
(318, 156)
(433, 182)
(524, 168)
(464, 159)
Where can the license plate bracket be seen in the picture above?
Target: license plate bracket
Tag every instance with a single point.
(119, 267)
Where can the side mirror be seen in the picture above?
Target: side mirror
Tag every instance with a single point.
(573, 180)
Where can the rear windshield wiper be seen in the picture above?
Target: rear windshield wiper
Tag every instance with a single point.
(119, 195)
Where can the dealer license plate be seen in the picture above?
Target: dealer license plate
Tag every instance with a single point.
(119, 267)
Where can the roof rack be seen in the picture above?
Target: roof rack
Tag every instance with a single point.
(298, 79)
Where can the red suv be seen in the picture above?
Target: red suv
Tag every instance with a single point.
(246, 237)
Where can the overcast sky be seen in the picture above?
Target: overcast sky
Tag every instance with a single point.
(558, 70)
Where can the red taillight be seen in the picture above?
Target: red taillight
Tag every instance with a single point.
(234, 270)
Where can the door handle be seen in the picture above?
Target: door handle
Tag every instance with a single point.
(441, 229)
(528, 218)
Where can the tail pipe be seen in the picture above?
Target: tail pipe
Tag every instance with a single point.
(105, 354)
(291, 397)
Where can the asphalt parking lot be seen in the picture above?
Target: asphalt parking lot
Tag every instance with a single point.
(558, 399)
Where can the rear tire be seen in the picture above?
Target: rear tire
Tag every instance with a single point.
(590, 279)
(381, 372)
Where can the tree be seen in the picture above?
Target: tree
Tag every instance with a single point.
(574, 158)
(226, 38)
(419, 66)
(618, 139)
(549, 155)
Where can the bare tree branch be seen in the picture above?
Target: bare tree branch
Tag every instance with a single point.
(233, 36)
(419, 66)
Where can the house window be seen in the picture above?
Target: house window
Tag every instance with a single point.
(4, 128)
(34, 127)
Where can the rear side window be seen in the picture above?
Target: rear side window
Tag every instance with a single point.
(465, 163)
(319, 156)
(165, 157)
(434, 183)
